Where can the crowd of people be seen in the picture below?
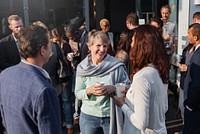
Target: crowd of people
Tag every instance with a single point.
(35, 99)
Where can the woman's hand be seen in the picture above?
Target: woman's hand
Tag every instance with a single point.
(70, 56)
(183, 68)
(168, 37)
(119, 101)
(100, 90)
(97, 90)
(124, 91)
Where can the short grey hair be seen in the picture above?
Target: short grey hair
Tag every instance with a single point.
(94, 34)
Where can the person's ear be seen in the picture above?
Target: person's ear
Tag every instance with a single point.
(196, 38)
(42, 50)
(10, 27)
(194, 20)
(89, 47)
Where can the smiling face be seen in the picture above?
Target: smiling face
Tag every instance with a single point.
(98, 50)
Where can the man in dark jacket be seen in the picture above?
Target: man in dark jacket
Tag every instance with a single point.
(9, 52)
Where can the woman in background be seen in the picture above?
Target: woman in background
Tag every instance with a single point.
(158, 23)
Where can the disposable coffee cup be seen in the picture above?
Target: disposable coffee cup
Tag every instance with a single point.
(70, 56)
(100, 84)
(120, 88)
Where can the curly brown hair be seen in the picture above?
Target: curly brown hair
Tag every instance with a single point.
(31, 39)
(148, 49)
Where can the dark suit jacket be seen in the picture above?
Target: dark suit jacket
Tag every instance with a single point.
(84, 46)
(51, 65)
(192, 82)
(9, 54)
(192, 95)
(29, 104)
(183, 61)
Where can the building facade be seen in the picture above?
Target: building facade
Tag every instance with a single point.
(54, 12)
(58, 12)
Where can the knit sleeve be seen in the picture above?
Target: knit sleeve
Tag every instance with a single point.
(140, 116)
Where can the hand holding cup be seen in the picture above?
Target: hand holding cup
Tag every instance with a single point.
(99, 89)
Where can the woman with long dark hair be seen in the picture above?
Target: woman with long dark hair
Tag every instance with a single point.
(146, 100)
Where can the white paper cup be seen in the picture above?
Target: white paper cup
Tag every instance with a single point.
(120, 88)
(99, 84)
(70, 56)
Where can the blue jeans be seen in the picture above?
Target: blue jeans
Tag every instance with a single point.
(67, 102)
(94, 125)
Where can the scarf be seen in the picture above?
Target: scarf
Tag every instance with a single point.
(109, 64)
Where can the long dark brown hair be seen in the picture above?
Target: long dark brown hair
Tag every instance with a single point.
(148, 49)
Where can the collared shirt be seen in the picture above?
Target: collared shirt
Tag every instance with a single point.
(197, 47)
(16, 41)
(15, 38)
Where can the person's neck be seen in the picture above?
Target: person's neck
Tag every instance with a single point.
(133, 27)
(165, 21)
(104, 31)
(94, 61)
(14, 36)
(35, 61)
(197, 43)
